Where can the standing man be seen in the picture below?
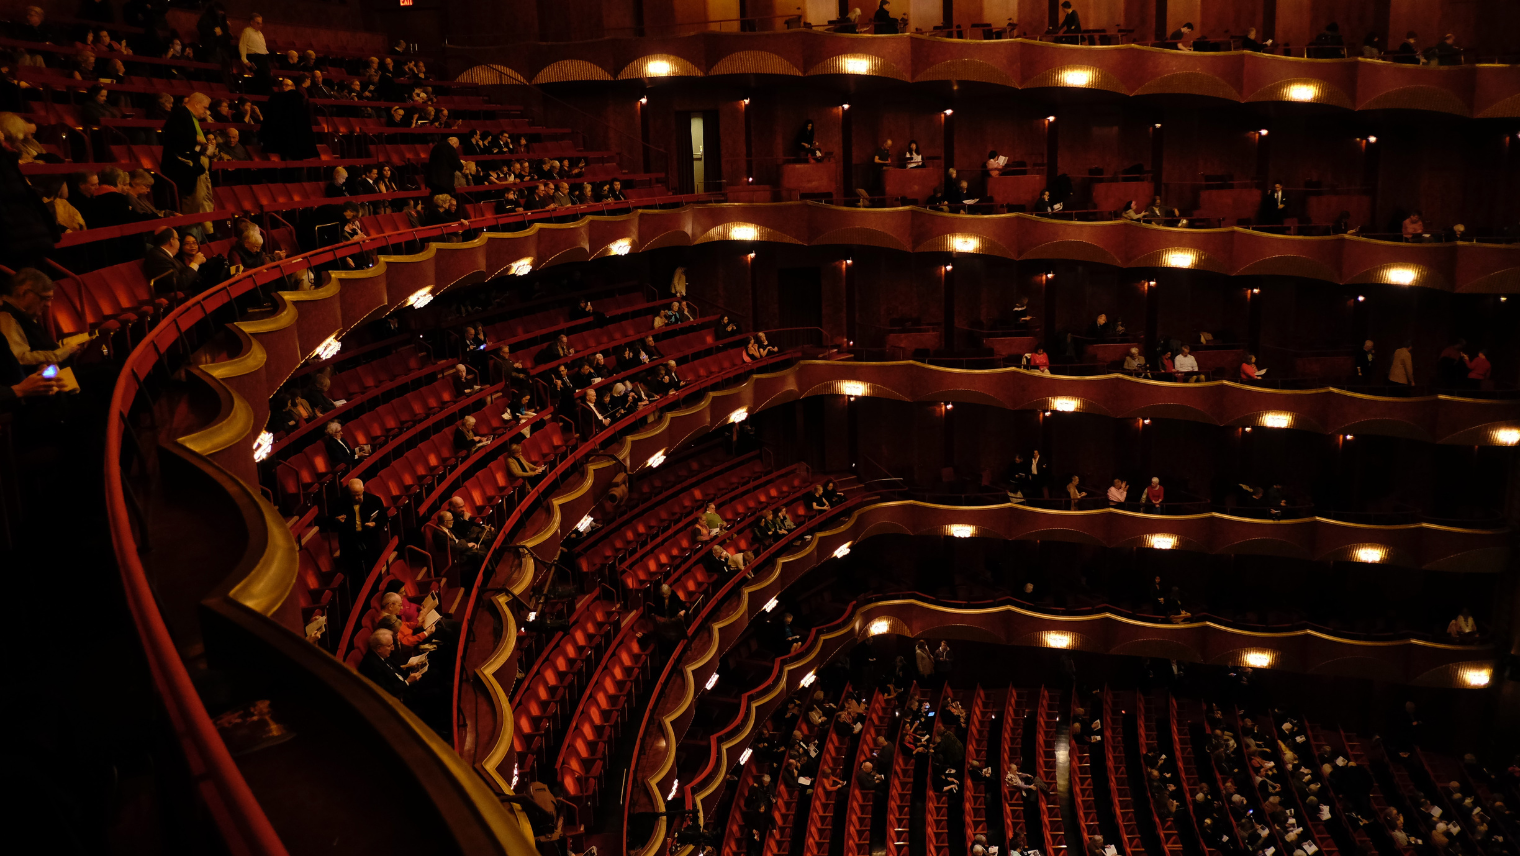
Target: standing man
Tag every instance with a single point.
(1275, 206)
(184, 144)
(255, 53)
(1364, 361)
(359, 520)
(443, 162)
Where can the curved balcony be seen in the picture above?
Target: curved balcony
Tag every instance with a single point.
(249, 599)
(730, 612)
(1479, 91)
(1421, 663)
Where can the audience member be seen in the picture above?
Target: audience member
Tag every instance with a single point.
(23, 308)
(1186, 366)
(168, 273)
(1463, 629)
(1401, 371)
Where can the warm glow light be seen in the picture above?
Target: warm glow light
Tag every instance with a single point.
(674, 786)
(712, 681)
(879, 626)
(263, 446)
(844, 106)
(521, 267)
(1371, 138)
(656, 459)
(1371, 555)
(739, 415)
(620, 247)
(1262, 132)
(808, 679)
(514, 775)
(1477, 678)
(1057, 639)
(1401, 275)
(1507, 436)
(1065, 405)
(1076, 77)
(1180, 260)
(584, 524)
(771, 604)
(964, 245)
(949, 112)
(853, 387)
(1050, 118)
(744, 757)
(844, 550)
(857, 66)
(744, 233)
(420, 298)
(658, 68)
(1301, 92)
(961, 530)
(1163, 542)
(329, 348)
(643, 99)
(1277, 420)
(1258, 659)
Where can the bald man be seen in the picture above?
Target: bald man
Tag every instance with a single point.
(359, 519)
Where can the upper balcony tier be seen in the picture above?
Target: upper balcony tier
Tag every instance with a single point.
(1475, 91)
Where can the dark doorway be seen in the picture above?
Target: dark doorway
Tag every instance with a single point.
(699, 152)
(799, 297)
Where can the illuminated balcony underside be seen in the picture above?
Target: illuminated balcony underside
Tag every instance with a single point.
(1481, 91)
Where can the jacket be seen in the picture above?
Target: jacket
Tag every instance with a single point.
(182, 145)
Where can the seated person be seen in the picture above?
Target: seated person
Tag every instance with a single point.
(1463, 629)
(1186, 366)
(1248, 369)
(232, 148)
(1119, 493)
(816, 501)
(465, 438)
(1130, 213)
(730, 561)
(164, 268)
(713, 520)
(832, 494)
(1134, 363)
(589, 419)
(339, 451)
(463, 384)
(766, 348)
(520, 467)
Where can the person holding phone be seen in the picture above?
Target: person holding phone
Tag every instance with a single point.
(27, 297)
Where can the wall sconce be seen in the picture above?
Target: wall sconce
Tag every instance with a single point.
(643, 99)
(844, 107)
(745, 102)
(1371, 139)
(744, 233)
(521, 267)
(844, 550)
(584, 523)
(1163, 542)
(1258, 659)
(1056, 639)
(620, 247)
(1477, 678)
(329, 348)
(712, 681)
(879, 626)
(744, 757)
(657, 68)
(1361, 298)
(738, 416)
(1262, 132)
(1180, 259)
(1401, 276)
(1277, 420)
(853, 388)
(770, 604)
(674, 788)
(857, 66)
(1065, 405)
(949, 268)
(961, 530)
(656, 459)
(948, 112)
(263, 446)
(1370, 555)
(420, 298)
(1158, 124)
(964, 245)
(1350, 437)
(1507, 436)
(807, 680)
(1050, 119)
(1301, 92)
(1077, 77)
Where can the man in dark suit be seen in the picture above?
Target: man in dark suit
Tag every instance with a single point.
(443, 162)
(359, 520)
(164, 269)
(378, 667)
(339, 452)
(1274, 206)
(589, 419)
(184, 142)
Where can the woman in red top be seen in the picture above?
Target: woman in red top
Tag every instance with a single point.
(1154, 493)
(1248, 369)
(1478, 369)
(1040, 361)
